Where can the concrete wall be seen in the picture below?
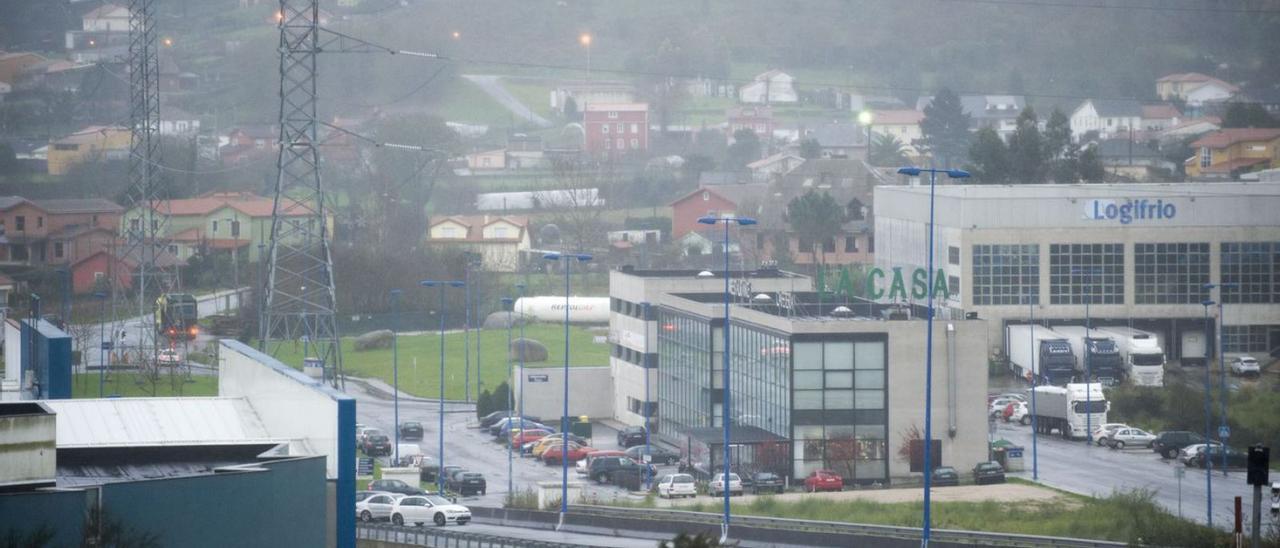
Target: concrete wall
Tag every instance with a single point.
(27, 445)
(590, 392)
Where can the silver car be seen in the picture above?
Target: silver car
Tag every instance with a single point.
(376, 506)
(1130, 437)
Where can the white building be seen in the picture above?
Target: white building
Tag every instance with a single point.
(1139, 254)
(769, 87)
(498, 240)
(1107, 117)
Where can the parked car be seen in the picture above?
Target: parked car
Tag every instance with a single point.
(988, 472)
(996, 409)
(169, 358)
(658, 454)
(716, 486)
(1188, 453)
(523, 437)
(630, 478)
(1168, 443)
(631, 436)
(376, 445)
(467, 483)
(394, 486)
(1101, 431)
(823, 480)
(583, 467)
(1129, 437)
(375, 506)
(944, 476)
(419, 510)
(502, 429)
(556, 453)
(767, 482)
(411, 430)
(488, 420)
(601, 467)
(1019, 412)
(364, 432)
(1245, 365)
(677, 485)
(1235, 457)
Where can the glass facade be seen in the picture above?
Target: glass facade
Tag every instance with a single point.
(758, 380)
(1006, 274)
(1249, 338)
(1086, 272)
(1170, 273)
(684, 380)
(1255, 269)
(840, 417)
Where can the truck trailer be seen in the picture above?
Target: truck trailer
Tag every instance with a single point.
(1071, 410)
(1037, 352)
(1195, 347)
(584, 310)
(1097, 355)
(1142, 354)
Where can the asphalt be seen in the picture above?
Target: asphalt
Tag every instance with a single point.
(206, 304)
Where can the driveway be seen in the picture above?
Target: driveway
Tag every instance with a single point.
(491, 87)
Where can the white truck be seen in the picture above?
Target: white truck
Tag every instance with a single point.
(1071, 410)
(1195, 347)
(1142, 353)
(1039, 352)
(1096, 353)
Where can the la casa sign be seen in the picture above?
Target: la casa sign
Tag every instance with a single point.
(891, 285)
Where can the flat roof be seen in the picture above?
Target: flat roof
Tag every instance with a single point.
(1113, 190)
(809, 305)
(693, 273)
(151, 422)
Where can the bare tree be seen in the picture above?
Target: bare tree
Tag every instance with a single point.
(578, 201)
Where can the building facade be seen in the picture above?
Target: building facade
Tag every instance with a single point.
(499, 241)
(1137, 254)
(1228, 153)
(616, 130)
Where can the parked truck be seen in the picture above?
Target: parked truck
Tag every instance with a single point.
(1142, 354)
(1071, 410)
(1040, 353)
(1096, 354)
(1195, 347)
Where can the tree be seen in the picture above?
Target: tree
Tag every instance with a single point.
(1063, 155)
(578, 201)
(387, 200)
(945, 128)
(8, 160)
(1091, 168)
(570, 109)
(815, 218)
(887, 150)
(744, 150)
(810, 149)
(1027, 150)
(694, 165)
(1248, 115)
(988, 158)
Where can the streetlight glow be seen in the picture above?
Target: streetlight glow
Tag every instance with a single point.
(585, 39)
(865, 117)
(457, 35)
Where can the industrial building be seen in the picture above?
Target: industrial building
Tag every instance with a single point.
(1137, 255)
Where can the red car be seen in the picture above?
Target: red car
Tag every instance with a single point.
(525, 436)
(823, 480)
(577, 452)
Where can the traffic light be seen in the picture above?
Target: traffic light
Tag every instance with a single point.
(1259, 460)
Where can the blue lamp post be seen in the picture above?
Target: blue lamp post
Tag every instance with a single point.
(507, 303)
(928, 349)
(442, 284)
(1088, 359)
(1035, 381)
(724, 411)
(1208, 425)
(520, 355)
(395, 369)
(102, 341)
(644, 360)
(567, 259)
(1222, 367)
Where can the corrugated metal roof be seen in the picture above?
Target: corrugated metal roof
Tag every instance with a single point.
(141, 422)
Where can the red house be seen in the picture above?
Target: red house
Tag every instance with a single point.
(699, 203)
(86, 273)
(755, 118)
(616, 130)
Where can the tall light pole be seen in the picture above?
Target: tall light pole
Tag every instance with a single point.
(102, 340)
(1222, 367)
(644, 361)
(912, 171)
(395, 370)
(508, 303)
(585, 40)
(442, 284)
(865, 118)
(1208, 425)
(1035, 380)
(724, 373)
(466, 333)
(520, 356)
(567, 261)
(1088, 356)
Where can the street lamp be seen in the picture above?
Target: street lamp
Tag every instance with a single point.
(520, 356)
(567, 259)
(442, 284)
(395, 370)
(585, 40)
(1208, 421)
(865, 117)
(1088, 356)
(913, 171)
(1222, 367)
(724, 411)
(102, 340)
(644, 361)
(508, 303)
(466, 334)
(1035, 380)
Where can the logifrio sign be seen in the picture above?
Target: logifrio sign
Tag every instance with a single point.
(1127, 211)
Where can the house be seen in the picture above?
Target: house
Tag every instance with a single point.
(998, 112)
(596, 91)
(755, 118)
(767, 169)
(92, 143)
(14, 64)
(217, 221)
(1189, 128)
(839, 139)
(524, 151)
(247, 144)
(724, 178)
(713, 201)
(1228, 153)
(106, 18)
(1160, 117)
(1132, 159)
(94, 272)
(499, 240)
(54, 232)
(104, 34)
(1108, 117)
(1194, 88)
(851, 183)
(632, 237)
(177, 122)
(901, 124)
(767, 88)
(487, 160)
(616, 130)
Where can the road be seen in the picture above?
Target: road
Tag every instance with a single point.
(213, 303)
(548, 535)
(1091, 470)
(489, 84)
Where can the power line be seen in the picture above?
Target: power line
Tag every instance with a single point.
(1131, 7)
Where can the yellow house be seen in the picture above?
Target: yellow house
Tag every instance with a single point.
(498, 240)
(1226, 153)
(90, 143)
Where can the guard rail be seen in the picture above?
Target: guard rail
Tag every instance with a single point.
(446, 538)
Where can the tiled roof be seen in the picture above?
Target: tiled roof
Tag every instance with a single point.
(79, 205)
(1227, 137)
(1232, 165)
(249, 204)
(896, 117)
(475, 224)
(1160, 111)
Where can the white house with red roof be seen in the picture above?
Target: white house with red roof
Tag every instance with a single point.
(499, 240)
(1194, 88)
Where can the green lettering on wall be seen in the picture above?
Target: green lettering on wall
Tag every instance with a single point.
(940, 285)
(897, 288)
(846, 283)
(873, 288)
(919, 283)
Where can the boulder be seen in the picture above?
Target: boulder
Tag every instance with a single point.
(374, 340)
(534, 351)
(498, 320)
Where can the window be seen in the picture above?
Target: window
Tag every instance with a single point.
(1170, 273)
(235, 229)
(57, 250)
(851, 244)
(829, 245)
(953, 255)
(1080, 273)
(99, 275)
(65, 147)
(40, 222)
(133, 225)
(608, 144)
(635, 143)
(604, 128)
(1248, 338)
(953, 286)
(1005, 274)
(214, 228)
(635, 128)
(613, 114)
(621, 127)
(1255, 269)
(1206, 157)
(621, 144)
(1, 227)
(20, 223)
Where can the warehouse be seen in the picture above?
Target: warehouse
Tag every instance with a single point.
(1136, 255)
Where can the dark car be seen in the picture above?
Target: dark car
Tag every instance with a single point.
(660, 455)
(630, 478)
(395, 486)
(945, 475)
(1169, 443)
(602, 467)
(466, 483)
(428, 472)
(488, 420)
(987, 472)
(1235, 457)
(766, 482)
(411, 430)
(631, 436)
(376, 445)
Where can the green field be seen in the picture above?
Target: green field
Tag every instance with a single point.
(422, 379)
(132, 384)
(463, 101)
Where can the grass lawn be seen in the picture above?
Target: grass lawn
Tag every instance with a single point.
(463, 101)
(133, 384)
(534, 94)
(423, 379)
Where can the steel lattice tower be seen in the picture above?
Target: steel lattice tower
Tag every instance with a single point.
(300, 298)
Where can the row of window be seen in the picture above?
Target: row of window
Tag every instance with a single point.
(620, 128)
(839, 375)
(683, 392)
(20, 223)
(1250, 338)
(634, 357)
(628, 308)
(622, 144)
(640, 407)
(858, 453)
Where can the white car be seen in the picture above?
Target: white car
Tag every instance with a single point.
(169, 357)
(1245, 365)
(1101, 432)
(1132, 437)
(677, 485)
(376, 506)
(421, 509)
(996, 409)
(1021, 413)
(716, 487)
